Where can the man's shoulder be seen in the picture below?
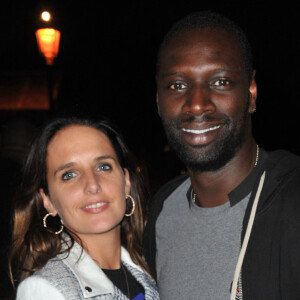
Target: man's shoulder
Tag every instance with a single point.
(282, 162)
(283, 172)
(164, 192)
(156, 205)
(283, 154)
(169, 187)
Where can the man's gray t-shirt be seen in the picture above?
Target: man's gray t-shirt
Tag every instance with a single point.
(197, 248)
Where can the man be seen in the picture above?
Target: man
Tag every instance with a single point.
(231, 226)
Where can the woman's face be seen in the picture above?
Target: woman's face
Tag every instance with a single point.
(87, 186)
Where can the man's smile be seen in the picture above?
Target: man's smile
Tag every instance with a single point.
(200, 131)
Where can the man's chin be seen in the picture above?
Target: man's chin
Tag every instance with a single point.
(204, 158)
(205, 166)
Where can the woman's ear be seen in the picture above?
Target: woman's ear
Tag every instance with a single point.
(127, 181)
(47, 203)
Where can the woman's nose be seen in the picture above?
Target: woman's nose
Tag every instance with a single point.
(92, 183)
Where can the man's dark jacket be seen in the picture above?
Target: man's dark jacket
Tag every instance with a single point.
(271, 267)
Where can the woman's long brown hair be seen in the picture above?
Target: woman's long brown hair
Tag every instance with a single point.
(32, 244)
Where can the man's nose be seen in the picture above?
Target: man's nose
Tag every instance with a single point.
(198, 101)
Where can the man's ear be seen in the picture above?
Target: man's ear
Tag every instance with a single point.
(158, 110)
(252, 94)
(48, 203)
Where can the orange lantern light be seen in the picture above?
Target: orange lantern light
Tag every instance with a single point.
(48, 43)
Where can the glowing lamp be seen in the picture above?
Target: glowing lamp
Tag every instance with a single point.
(48, 43)
(45, 16)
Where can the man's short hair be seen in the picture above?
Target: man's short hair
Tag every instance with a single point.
(210, 19)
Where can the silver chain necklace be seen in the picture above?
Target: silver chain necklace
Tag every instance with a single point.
(194, 195)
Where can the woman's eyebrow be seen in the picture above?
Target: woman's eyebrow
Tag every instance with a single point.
(63, 167)
(99, 158)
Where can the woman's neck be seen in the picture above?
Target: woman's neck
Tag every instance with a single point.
(105, 249)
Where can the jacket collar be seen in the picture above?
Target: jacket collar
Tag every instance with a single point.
(278, 165)
(246, 186)
(91, 278)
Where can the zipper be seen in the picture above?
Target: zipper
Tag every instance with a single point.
(240, 287)
(240, 275)
(238, 269)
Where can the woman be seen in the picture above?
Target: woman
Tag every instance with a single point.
(80, 175)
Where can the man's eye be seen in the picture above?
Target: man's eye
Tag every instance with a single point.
(68, 175)
(104, 167)
(178, 86)
(221, 82)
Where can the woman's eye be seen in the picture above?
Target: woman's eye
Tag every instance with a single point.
(68, 175)
(178, 86)
(104, 167)
(221, 82)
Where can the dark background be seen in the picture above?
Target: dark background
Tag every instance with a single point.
(107, 67)
(107, 64)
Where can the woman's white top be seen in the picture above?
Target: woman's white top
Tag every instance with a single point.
(76, 276)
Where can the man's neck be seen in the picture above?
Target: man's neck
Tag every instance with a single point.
(212, 188)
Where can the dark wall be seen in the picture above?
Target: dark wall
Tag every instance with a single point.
(107, 61)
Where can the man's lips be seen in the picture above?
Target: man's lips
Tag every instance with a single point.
(200, 131)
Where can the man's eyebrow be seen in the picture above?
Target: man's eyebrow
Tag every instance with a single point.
(167, 74)
(173, 73)
(225, 69)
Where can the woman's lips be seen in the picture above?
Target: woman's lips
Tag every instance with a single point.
(95, 207)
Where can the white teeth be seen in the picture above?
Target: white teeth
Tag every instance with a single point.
(96, 205)
(201, 131)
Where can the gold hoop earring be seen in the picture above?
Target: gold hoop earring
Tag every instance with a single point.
(133, 205)
(45, 223)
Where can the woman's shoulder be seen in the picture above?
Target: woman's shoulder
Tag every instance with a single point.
(36, 287)
(53, 268)
(54, 277)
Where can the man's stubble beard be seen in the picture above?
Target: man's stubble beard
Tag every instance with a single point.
(212, 157)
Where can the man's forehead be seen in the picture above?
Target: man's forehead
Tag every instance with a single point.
(204, 41)
(202, 35)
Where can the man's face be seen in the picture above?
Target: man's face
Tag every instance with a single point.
(204, 97)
